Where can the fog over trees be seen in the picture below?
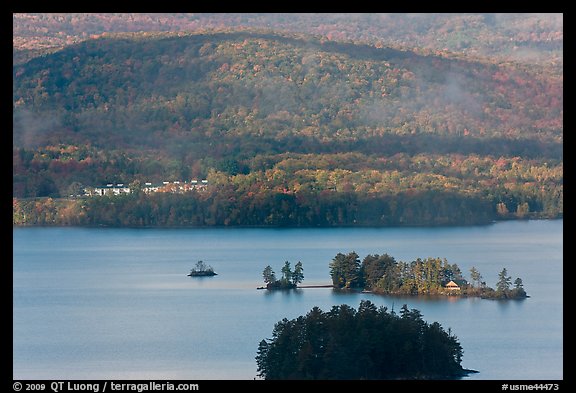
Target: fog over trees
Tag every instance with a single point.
(319, 127)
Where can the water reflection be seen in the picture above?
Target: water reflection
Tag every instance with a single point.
(283, 293)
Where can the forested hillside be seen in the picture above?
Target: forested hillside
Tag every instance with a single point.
(288, 129)
(524, 37)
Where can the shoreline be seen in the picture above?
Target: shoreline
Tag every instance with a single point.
(433, 296)
(264, 226)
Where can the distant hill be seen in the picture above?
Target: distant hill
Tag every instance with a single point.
(256, 110)
(136, 85)
(524, 37)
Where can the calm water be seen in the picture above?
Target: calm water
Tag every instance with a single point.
(117, 304)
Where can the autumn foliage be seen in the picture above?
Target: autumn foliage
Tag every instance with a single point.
(289, 129)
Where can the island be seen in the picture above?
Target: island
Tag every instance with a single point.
(289, 280)
(369, 343)
(202, 270)
(382, 274)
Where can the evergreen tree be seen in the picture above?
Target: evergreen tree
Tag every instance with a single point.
(337, 270)
(286, 272)
(269, 275)
(475, 276)
(345, 270)
(297, 274)
(504, 282)
(374, 268)
(263, 368)
(518, 291)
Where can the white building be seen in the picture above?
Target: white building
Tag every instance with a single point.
(109, 189)
(166, 186)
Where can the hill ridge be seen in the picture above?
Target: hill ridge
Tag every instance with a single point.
(227, 106)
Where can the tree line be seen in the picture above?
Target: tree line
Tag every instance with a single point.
(266, 208)
(289, 189)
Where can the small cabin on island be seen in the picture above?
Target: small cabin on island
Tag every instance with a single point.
(452, 286)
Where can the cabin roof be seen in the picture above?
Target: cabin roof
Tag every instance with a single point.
(452, 284)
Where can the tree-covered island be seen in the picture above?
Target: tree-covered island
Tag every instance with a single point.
(289, 280)
(368, 343)
(202, 270)
(431, 276)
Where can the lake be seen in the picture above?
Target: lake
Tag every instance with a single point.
(116, 303)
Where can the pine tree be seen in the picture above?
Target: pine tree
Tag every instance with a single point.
(476, 276)
(297, 274)
(269, 275)
(345, 270)
(286, 272)
(504, 282)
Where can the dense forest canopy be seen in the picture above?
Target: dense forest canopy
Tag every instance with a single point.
(288, 129)
(366, 344)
